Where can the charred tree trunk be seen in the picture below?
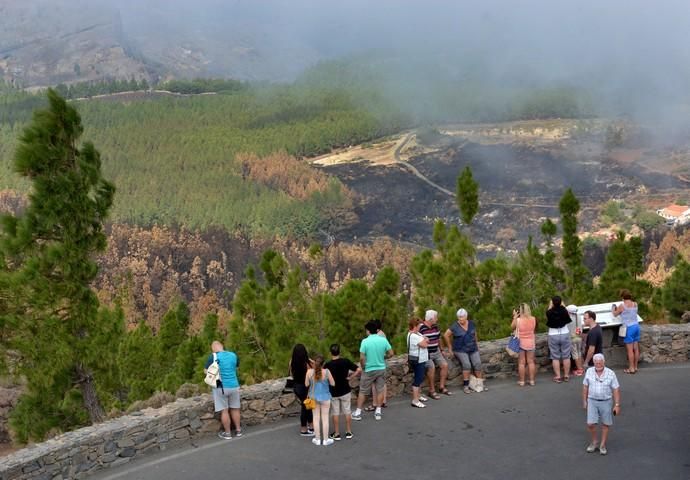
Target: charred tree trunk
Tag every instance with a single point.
(88, 392)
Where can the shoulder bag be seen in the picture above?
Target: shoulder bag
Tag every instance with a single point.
(213, 373)
(310, 402)
(622, 331)
(513, 347)
(411, 359)
(289, 382)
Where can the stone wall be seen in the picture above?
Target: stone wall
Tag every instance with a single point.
(116, 442)
(9, 396)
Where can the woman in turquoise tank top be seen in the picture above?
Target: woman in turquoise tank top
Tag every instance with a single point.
(318, 380)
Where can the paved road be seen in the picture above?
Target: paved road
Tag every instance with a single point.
(508, 432)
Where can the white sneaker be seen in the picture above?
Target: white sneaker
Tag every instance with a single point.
(377, 414)
(316, 441)
(327, 442)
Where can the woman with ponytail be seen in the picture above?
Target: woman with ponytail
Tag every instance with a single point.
(318, 380)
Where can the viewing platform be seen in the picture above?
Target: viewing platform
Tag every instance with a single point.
(508, 432)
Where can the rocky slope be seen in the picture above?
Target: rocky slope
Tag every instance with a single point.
(44, 43)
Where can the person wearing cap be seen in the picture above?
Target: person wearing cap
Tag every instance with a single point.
(462, 337)
(601, 398)
(429, 328)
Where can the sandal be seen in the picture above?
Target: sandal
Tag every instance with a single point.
(434, 395)
(445, 391)
(418, 404)
(631, 372)
(566, 378)
(521, 384)
(531, 383)
(557, 379)
(370, 408)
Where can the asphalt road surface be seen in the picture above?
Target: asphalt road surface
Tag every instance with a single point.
(508, 432)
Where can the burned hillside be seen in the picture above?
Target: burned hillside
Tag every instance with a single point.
(520, 184)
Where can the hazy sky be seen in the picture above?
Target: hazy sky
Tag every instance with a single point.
(617, 43)
(635, 50)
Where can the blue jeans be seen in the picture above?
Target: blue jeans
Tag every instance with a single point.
(419, 369)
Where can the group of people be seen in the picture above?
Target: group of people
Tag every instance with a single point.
(426, 354)
(601, 390)
(328, 384)
(564, 343)
(324, 392)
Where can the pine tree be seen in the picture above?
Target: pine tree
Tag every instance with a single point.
(576, 273)
(446, 279)
(47, 258)
(675, 293)
(548, 230)
(173, 330)
(270, 317)
(138, 365)
(624, 264)
(346, 312)
(467, 195)
(388, 303)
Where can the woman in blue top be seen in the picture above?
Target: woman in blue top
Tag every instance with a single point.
(462, 335)
(628, 313)
(318, 380)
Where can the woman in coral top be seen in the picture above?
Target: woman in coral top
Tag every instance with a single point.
(526, 325)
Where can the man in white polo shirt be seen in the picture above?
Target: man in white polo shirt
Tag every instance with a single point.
(602, 399)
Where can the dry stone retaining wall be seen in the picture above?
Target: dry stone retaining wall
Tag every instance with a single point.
(8, 399)
(81, 452)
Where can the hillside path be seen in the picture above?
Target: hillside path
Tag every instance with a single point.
(412, 169)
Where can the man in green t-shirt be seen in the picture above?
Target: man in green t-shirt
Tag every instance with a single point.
(373, 352)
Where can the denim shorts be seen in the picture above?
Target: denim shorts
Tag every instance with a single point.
(632, 333)
(600, 411)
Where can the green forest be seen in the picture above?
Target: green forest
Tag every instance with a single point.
(173, 160)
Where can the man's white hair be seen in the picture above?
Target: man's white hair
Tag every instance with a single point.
(598, 356)
(430, 315)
